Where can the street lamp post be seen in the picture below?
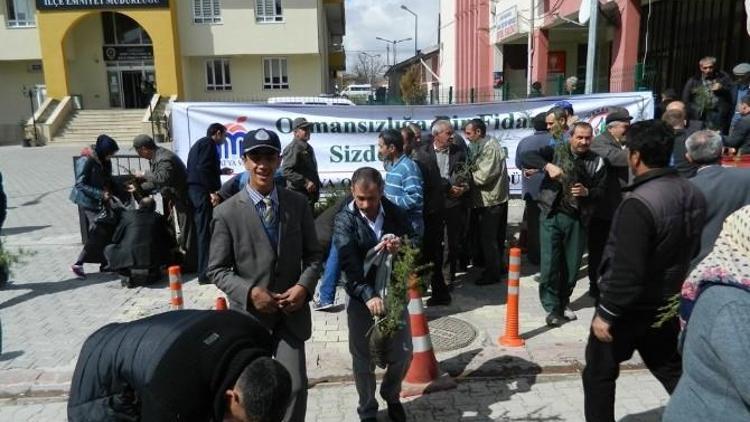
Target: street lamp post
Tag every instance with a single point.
(394, 42)
(416, 26)
(29, 92)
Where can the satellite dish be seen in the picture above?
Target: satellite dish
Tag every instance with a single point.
(584, 13)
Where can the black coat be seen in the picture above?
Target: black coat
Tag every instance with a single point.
(723, 108)
(3, 202)
(530, 186)
(353, 238)
(203, 166)
(435, 186)
(167, 367)
(740, 136)
(141, 241)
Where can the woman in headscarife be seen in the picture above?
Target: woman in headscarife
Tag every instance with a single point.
(715, 313)
(93, 188)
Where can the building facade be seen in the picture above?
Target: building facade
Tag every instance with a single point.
(117, 54)
(641, 44)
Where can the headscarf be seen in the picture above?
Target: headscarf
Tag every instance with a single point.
(105, 146)
(728, 264)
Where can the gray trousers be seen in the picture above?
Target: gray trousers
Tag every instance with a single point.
(399, 357)
(290, 352)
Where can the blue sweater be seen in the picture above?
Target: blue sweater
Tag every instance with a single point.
(403, 187)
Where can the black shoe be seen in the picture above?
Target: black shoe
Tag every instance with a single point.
(439, 301)
(204, 280)
(369, 420)
(554, 320)
(396, 412)
(485, 281)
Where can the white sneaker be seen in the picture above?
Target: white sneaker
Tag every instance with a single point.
(569, 314)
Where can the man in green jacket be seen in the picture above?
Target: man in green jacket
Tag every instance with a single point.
(299, 165)
(489, 194)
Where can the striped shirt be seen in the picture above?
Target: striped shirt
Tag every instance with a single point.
(403, 187)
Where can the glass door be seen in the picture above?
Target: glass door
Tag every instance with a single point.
(115, 91)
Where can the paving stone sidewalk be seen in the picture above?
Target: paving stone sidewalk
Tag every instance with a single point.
(46, 313)
(640, 398)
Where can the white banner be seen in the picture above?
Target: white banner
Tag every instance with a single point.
(345, 137)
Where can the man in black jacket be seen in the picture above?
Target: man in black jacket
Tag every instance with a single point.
(739, 138)
(609, 145)
(531, 184)
(141, 245)
(204, 181)
(361, 226)
(181, 365)
(575, 180)
(438, 161)
(709, 95)
(655, 232)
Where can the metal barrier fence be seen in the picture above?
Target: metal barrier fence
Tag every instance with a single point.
(122, 167)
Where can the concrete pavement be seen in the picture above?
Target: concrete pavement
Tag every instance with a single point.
(547, 398)
(46, 313)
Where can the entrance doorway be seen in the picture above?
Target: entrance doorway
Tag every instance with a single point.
(129, 57)
(130, 85)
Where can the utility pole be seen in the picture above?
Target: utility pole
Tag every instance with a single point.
(591, 52)
(530, 52)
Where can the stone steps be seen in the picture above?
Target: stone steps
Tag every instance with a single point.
(86, 125)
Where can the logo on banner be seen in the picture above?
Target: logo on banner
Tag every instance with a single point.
(235, 137)
(598, 120)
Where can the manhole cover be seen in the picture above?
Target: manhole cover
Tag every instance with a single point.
(450, 334)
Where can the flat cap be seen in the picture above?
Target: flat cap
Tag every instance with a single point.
(300, 123)
(619, 115)
(741, 69)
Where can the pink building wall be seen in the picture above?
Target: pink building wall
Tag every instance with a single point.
(473, 50)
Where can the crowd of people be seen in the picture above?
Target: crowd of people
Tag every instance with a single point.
(646, 200)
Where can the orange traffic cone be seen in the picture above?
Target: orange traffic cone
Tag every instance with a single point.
(424, 375)
(175, 286)
(221, 304)
(511, 337)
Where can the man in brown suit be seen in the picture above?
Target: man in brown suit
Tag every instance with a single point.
(265, 256)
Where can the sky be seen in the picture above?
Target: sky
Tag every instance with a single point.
(367, 19)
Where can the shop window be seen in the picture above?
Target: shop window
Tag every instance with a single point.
(20, 13)
(268, 11)
(275, 74)
(206, 11)
(218, 77)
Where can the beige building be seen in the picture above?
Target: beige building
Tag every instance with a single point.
(70, 57)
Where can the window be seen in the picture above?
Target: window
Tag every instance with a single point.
(217, 75)
(275, 75)
(206, 11)
(122, 30)
(268, 11)
(20, 13)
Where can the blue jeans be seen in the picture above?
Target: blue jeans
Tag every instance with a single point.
(330, 277)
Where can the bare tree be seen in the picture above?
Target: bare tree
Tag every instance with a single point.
(369, 68)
